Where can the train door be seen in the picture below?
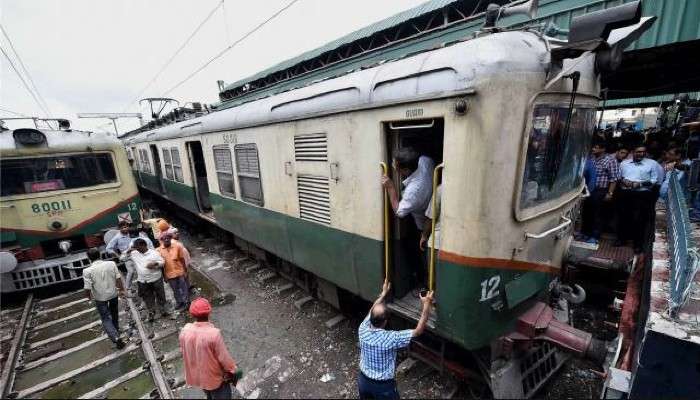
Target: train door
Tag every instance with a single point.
(156, 169)
(198, 169)
(409, 262)
(135, 165)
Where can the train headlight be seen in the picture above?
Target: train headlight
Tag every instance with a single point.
(65, 245)
(8, 262)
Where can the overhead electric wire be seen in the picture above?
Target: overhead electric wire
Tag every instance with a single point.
(26, 86)
(229, 47)
(170, 60)
(45, 107)
(13, 112)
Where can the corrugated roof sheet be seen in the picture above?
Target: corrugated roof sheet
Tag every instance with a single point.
(644, 101)
(678, 21)
(351, 37)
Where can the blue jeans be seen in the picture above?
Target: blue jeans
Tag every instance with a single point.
(222, 392)
(109, 314)
(181, 290)
(379, 390)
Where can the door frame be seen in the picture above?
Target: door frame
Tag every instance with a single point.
(157, 167)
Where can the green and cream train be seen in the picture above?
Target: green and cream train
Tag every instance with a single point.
(61, 191)
(509, 114)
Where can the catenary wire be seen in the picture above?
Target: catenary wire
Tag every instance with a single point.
(26, 86)
(26, 71)
(177, 52)
(229, 47)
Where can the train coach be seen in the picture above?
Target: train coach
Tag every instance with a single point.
(508, 115)
(61, 191)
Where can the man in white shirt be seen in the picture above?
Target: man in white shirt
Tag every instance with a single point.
(639, 175)
(120, 245)
(103, 284)
(149, 277)
(417, 174)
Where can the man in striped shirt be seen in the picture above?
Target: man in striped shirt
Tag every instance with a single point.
(378, 348)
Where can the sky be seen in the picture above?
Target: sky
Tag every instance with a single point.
(90, 56)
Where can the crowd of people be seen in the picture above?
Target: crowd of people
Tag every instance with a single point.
(626, 174)
(208, 364)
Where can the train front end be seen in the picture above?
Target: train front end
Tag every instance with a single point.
(509, 209)
(61, 191)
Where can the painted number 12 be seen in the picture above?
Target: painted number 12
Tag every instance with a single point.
(489, 288)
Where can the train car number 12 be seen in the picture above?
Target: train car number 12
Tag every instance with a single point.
(489, 288)
(53, 206)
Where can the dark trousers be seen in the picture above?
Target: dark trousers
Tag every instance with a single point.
(593, 213)
(222, 392)
(374, 389)
(152, 293)
(636, 214)
(109, 314)
(181, 290)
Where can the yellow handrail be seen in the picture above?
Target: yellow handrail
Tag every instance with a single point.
(431, 271)
(385, 171)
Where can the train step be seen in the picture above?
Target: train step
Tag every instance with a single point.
(409, 307)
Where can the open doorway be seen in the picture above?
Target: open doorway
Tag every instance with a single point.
(199, 172)
(156, 168)
(409, 262)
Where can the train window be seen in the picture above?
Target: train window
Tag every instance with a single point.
(177, 165)
(168, 164)
(44, 174)
(224, 170)
(554, 163)
(145, 161)
(248, 168)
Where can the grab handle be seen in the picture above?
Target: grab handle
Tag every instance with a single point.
(431, 270)
(385, 172)
(567, 222)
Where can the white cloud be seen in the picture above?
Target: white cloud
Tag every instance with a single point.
(95, 55)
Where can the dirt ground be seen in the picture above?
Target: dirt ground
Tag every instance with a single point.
(290, 353)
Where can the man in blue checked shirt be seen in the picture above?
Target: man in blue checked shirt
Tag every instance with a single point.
(378, 348)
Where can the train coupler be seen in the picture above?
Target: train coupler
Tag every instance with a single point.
(539, 324)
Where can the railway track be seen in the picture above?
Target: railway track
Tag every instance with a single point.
(56, 348)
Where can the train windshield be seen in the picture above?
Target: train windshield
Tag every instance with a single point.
(555, 160)
(45, 174)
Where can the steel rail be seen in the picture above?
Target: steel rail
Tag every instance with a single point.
(150, 353)
(7, 377)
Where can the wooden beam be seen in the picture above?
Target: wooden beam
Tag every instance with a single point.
(55, 356)
(64, 335)
(100, 391)
(62, 306)
(70, 374)
(8, 373)
(58, 321)
(59, 297)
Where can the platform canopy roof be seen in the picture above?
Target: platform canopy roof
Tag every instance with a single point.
(659, 63)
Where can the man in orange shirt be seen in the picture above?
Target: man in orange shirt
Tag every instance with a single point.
(208, 364)
(175, 267)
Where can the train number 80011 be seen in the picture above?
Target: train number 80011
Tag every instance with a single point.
(52, 206)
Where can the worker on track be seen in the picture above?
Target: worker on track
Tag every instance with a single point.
(208, 364)
(149, 278)
(175, 268)
(379, 346)
(103, 284)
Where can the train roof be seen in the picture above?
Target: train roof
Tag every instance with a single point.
(449, 71)
(56, 141)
